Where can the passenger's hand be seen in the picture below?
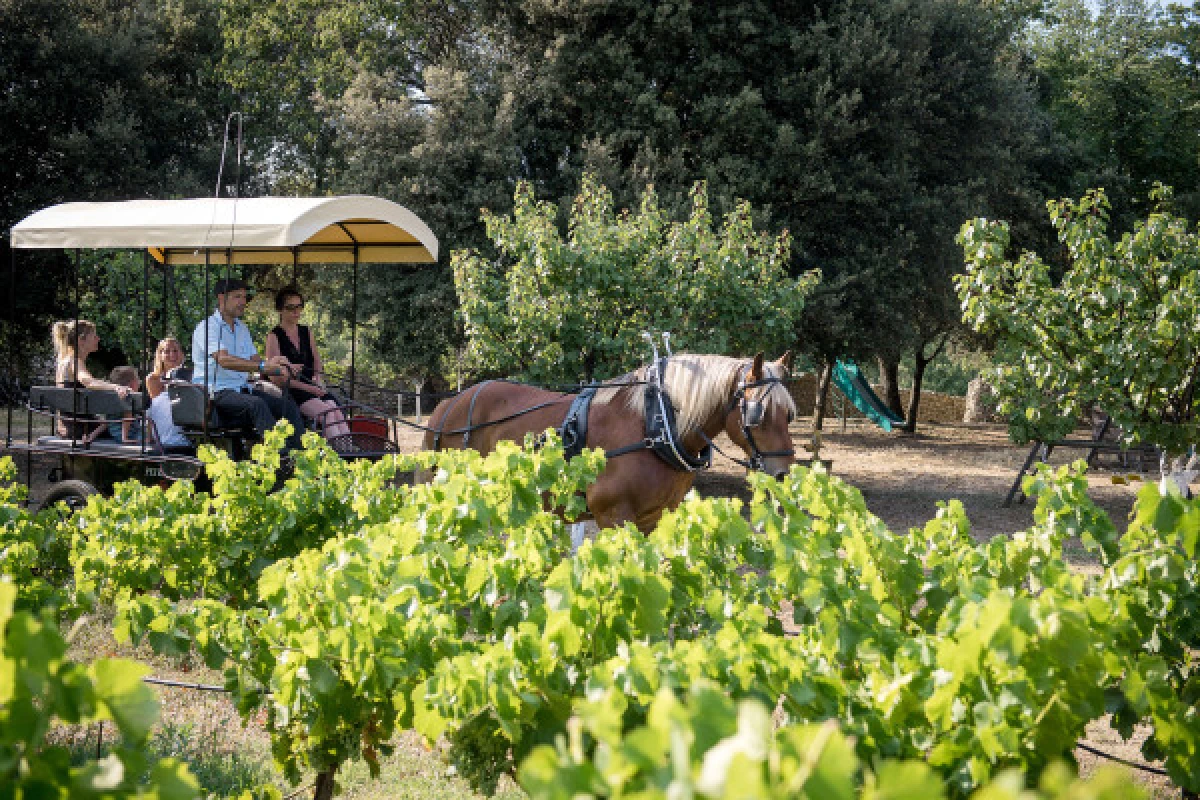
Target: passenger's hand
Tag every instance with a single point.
(122, 392)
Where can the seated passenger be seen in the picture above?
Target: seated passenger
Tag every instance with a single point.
(168, 358)
(223, 354)
(127, 430)
(295, 342)
(74, 341)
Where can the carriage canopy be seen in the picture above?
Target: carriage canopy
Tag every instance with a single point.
(254, 230)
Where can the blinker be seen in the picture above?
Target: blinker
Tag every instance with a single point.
(752, 413)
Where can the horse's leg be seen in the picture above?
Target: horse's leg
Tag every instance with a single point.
(614, 514)
(578, 531)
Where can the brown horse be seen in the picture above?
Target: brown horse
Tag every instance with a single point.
(745, 398)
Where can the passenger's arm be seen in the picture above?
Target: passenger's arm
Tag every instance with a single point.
(84, 377)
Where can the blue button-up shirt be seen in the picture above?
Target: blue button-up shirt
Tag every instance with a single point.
(236, 341)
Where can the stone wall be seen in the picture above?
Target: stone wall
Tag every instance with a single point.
(935, 406)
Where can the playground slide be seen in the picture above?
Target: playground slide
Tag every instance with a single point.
(850, 380)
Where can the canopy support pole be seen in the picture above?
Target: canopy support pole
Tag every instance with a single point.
(354, 323)
(145, 311)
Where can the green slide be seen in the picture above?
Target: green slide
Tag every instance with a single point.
(849, 378)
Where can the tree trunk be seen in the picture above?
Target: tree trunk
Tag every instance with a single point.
(824, 379)
(323, 788)
(914, 403)
(889, 383)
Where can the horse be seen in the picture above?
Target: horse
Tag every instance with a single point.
(652, 459)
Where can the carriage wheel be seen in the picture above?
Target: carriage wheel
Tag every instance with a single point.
(73, 494)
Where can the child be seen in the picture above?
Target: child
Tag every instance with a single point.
(129, 429)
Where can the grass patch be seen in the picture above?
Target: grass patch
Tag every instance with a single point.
(221, 771)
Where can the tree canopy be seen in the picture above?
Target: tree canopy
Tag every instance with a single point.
(867, 130)
(1117, 331)
(559, 308)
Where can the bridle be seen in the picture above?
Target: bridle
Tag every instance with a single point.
(751, 411)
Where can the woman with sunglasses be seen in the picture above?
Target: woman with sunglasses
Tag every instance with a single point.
(295, 342)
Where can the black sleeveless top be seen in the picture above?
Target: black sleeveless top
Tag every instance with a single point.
(302, 356)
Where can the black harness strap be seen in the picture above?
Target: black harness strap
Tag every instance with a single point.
(471, 411)
(468, 428)
(575, 425)
(662, 435)
(437, 435)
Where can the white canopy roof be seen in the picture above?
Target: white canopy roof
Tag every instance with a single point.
(253, 230)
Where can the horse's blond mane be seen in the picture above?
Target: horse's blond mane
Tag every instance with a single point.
(699, 386)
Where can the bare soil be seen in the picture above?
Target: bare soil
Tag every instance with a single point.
(904, 476)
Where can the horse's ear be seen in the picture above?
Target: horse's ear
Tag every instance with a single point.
(785, 361)
(756, 370)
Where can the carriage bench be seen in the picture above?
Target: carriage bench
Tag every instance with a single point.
(1040, 452)
(99, 402)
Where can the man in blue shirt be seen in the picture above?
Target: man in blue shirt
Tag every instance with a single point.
(223, 356)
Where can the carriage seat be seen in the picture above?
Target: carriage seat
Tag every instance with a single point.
(103, 402)
(189, 402)
(101, 445)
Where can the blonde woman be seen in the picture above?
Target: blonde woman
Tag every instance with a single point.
(167, 356)
(74, 341)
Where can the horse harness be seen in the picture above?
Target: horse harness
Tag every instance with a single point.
(661, 432)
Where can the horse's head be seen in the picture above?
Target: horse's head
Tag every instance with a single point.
(760, 411)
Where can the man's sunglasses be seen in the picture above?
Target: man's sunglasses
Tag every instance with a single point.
(294, 307)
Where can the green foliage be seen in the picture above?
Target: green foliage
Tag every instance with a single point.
(705, 745)
(33, 547)
(341, 635)
(557, 308)
(182, 543)
(1118, 80)
(39, 687)
(103, 100)
(454, 607)
(1116, 331)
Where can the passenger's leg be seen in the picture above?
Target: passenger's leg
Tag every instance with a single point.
(329, 417)
(236, 409)
(284, 408)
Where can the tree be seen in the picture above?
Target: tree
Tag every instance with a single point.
(557, 308)
(829, 118)
(105, 100)
(1117, 331)
(1119, 79)
(447, 159)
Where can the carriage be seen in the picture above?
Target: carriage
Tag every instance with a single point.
(215, 235)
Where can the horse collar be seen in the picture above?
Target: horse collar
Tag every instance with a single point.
(662, 434)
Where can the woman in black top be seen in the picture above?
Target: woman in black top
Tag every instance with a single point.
(295, 342)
